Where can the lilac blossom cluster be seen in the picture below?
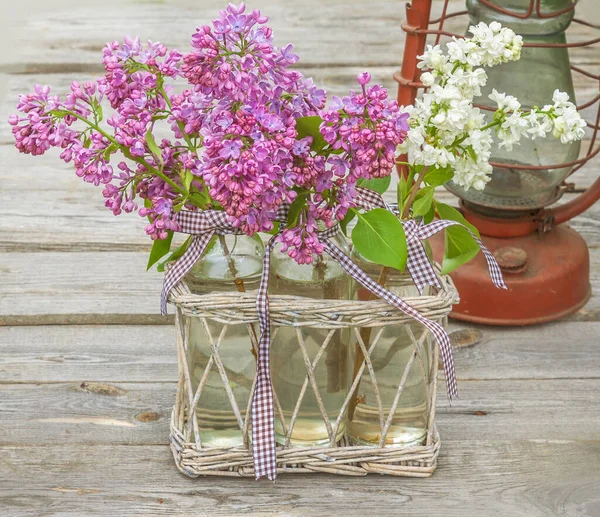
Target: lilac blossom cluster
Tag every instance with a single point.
(235, 141)
(362, 132)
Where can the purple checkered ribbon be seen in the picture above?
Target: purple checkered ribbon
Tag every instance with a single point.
(263, 435)
(202, 226)
(418, 264)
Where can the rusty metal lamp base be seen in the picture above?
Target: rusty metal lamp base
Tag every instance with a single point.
(547, 275)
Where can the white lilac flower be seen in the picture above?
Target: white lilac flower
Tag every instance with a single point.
(464, 51)
(566, 120)
(505, 102)
(512, 130)
(434, 59)
(561, 100)
(481, 143)
(539, 124)
(569, 126)
(427, 78)
(496, 44)
(445, 127)
(469, 81)
(469, 174)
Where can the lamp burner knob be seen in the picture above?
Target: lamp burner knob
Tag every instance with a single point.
(511, 259)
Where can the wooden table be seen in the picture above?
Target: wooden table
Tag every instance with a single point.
(87, 366)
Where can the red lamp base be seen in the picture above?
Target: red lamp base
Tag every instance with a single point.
(547, 275)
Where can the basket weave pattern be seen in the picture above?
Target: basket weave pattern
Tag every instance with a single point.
(194, 459)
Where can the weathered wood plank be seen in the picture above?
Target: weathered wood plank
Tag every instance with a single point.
(135, 414)
(86, 288)
(59, 353)
(102, 354)
(536, 478)
(324, 33)
(77, 283)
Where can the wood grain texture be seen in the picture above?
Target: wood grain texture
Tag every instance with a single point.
(77, 283)
(331, 33)
(139, 414)
(324, 33)
(116, 354)
(85, 403)
(533, 478)
(52, 287)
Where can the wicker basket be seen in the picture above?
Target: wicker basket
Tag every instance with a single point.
(342, 458)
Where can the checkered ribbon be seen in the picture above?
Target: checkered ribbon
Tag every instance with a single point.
(202, 226)
(418, 264)
(263, 435)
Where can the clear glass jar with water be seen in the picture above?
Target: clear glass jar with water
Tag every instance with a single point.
(390, 357)
(229, 262)
(323, 279)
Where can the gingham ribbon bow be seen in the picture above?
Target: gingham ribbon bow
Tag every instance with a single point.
(418, 264)
(202, 226)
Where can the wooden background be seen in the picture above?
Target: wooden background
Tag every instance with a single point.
(87, 366)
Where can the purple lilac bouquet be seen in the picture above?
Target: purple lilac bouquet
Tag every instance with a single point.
(247, 134)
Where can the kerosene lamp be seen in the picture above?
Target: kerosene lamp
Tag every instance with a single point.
(545, 262)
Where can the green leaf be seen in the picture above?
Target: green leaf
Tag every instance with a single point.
(154, 149)
(471, 152)
(429, 216)
(452, 214)
(379, 237)
(274, 230)
(257, 238)
(199, 199)
(296, 209)
(187, 181)
(379, 185)
(423, 201)
(99, 112)
(309, 126)
(402, 191)
(177, 253)
(460, 248)
(438, 176)
(159, 249)
(346, 221)
(109, 150)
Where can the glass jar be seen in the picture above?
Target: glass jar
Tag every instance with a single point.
(228, 258)
(532, 80)
(390, 357)
(323, 279)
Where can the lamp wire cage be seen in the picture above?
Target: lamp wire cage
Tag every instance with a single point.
(337, 457)
(421, 28)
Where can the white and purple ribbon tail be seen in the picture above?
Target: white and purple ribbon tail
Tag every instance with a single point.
(202, 226)
(436, 329)
(428, 230)
(417, 262)
(369, 199)
(263, 432)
